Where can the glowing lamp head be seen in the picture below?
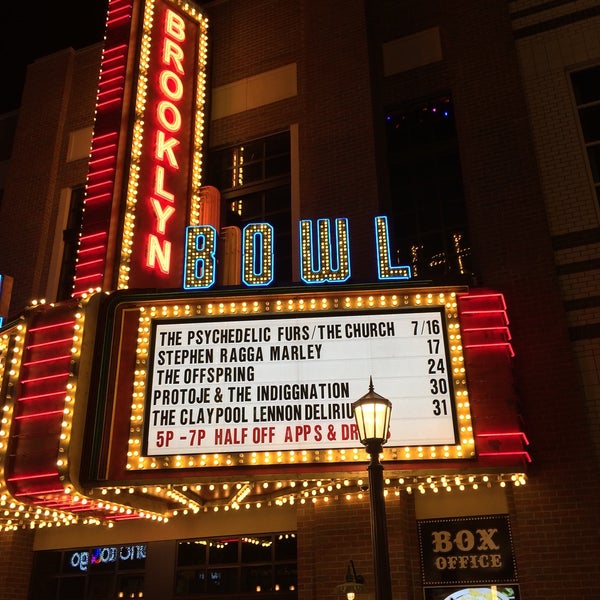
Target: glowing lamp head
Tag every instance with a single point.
(372, 413)
(353, 584)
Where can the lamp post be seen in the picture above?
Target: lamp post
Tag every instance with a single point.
(372, 413)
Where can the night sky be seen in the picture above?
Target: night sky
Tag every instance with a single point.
(29, 30)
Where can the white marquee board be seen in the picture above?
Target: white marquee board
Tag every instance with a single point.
(288, 383)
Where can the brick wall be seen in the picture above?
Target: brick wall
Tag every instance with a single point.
(15, 563)
(546, 59)
(333, 109)
(513, 207)
(67, 83)
(331, 534)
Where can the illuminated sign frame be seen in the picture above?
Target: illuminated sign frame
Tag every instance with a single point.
(165, 160)
(473, 550)
(318, 304)
(144, 180)
(234, 385)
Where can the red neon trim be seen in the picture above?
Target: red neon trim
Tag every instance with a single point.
(106, 63)
(93, 276)
(119, 8)
(103, 143)
(34, 476)
(114, 49)
(38, 492)
(117, 71)
(110, 92)
(41, 415)
(484, 310)
(41, 396)
(42, 344)
(89, 263)
(101, 173)
(103, 159)
(106, 149)
(114, 12)
(493, 328)
(58, 506)
(505, 345)
(118, 20)
(505, 434)
(105, 152)
(487, 312)
(45, 377)
(112, 73)
(46, 360)
(105, 136)
(97, 198)
(475, 296)
(109, 102)
(101, 184)
(113, 81)
(92, 236)
(90, 249)
(521, 453)
(43, 327)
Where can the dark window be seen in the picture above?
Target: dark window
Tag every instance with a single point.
(254, 181)
(89, 574)
(428, 215)
(262, 566)
(586, 89)
(70, 241)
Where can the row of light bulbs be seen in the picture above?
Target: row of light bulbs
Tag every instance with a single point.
(16, 516)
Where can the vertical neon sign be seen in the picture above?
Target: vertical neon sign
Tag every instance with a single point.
(144, 183)
(167, 140)
(164, 179)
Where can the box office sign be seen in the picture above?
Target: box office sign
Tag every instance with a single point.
(466, 550)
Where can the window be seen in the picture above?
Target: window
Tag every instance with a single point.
(428, 215)
(80, 142)
(254, 181)
(586, 89)
(70, 241)
(89, 574)
(237, 566)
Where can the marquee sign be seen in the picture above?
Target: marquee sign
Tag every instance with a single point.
(238, 380)
(236, 384)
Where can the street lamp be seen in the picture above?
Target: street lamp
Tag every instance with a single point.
(372, 413)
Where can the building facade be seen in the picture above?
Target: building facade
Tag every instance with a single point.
(474, 128)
